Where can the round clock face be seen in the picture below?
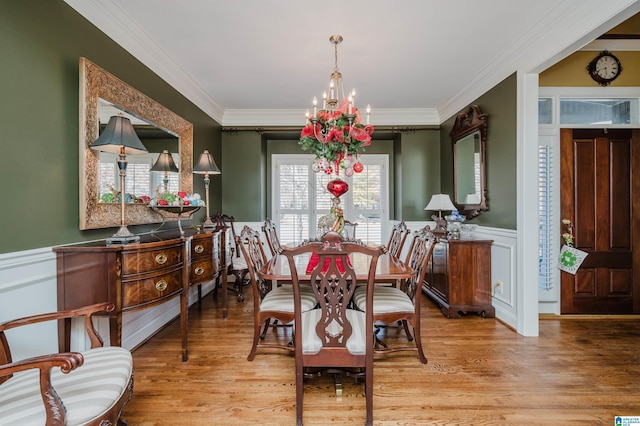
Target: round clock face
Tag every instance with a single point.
(605, 68)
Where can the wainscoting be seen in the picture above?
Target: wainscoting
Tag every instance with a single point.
(28, 286)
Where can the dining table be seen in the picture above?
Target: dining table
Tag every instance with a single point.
(389, 268)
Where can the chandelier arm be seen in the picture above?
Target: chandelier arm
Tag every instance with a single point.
(314, 122)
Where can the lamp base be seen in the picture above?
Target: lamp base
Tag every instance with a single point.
(208, 223)
(123, 236)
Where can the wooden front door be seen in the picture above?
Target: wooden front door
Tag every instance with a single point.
(599, 175)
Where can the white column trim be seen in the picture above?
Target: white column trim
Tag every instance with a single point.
(527, 205)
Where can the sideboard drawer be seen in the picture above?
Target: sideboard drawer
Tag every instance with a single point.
(140, 261)
(201, 271)
(150, 289)
(202, 247)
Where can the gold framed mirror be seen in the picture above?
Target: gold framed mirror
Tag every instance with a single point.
(468, 138)
(96, 84)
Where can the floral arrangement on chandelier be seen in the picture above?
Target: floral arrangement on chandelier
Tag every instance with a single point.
(336, 136)
(335, 141)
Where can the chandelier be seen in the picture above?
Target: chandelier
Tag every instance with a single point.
(335, 133)
(337, 137)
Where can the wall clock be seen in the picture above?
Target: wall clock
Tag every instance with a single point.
(604, 68)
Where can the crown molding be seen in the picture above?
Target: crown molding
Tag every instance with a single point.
(117, 24)
(295, 117)
(554, 38)
(613, 45)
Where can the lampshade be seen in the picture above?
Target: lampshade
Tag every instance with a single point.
(118, 134)
(165, 163)
(440, 202)
(206, 164)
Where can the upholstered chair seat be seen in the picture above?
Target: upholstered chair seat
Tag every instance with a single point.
(356, 344)
(281, 299)
(87, 392)
(385, 299)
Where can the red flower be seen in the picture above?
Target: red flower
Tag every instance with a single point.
(361, 135)
(307, 131)
(343, 108)
(322, 115)
(336, 134)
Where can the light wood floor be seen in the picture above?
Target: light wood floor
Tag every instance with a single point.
(580, 371)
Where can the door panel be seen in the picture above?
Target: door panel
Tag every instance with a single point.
(596, 195)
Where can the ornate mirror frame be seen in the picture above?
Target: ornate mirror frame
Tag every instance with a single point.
(471, 121)
(97, 83)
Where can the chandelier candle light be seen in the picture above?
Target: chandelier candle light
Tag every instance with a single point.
(336, 136)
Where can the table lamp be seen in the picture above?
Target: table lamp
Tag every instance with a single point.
(119, 137)
(165, 164)
(440, 202)
(206, 165)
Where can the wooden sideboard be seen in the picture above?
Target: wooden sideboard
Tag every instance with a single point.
(135, 276)
(458, 277)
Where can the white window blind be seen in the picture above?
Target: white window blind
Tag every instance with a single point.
(545, 209)
(300, 197)
(139, 179)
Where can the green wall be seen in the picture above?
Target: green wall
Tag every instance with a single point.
(40, 46)
(414, 169)
(500, 105)
(419, 173)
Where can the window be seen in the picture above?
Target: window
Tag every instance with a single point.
(545, 212)
(139, 180)
(598, 111)
(300, 197)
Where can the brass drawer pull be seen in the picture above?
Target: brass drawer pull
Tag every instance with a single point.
(199, 270)
(161, 258)
(161, 285)
(198, 249)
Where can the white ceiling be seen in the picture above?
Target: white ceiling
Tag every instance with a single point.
(416, 62)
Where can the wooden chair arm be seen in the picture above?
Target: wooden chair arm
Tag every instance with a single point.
(53, 405)
(67, 361)
(87, 312)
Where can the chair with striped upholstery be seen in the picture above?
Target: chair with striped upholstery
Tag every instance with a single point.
(71, 388)
(334, 338)
(402, 303)
(270, 302)
(236, 266)
(399, 234)
(271, 235)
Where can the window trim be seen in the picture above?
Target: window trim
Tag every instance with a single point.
(347, 199)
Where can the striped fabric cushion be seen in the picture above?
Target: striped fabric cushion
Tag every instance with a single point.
(238, 263)
(385, 299)
(311, 343)
(86, 392)
(281, 299)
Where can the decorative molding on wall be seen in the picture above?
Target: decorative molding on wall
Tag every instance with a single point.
(295, 117)
(503, 270)
(28, 285)
(114, 22)
(31, 276)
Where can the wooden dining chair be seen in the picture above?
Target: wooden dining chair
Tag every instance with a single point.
(271, 235)
(399, 234)
(236, 265)
(270, 303)
(88, 388)
(334, 338)
(402, 303)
